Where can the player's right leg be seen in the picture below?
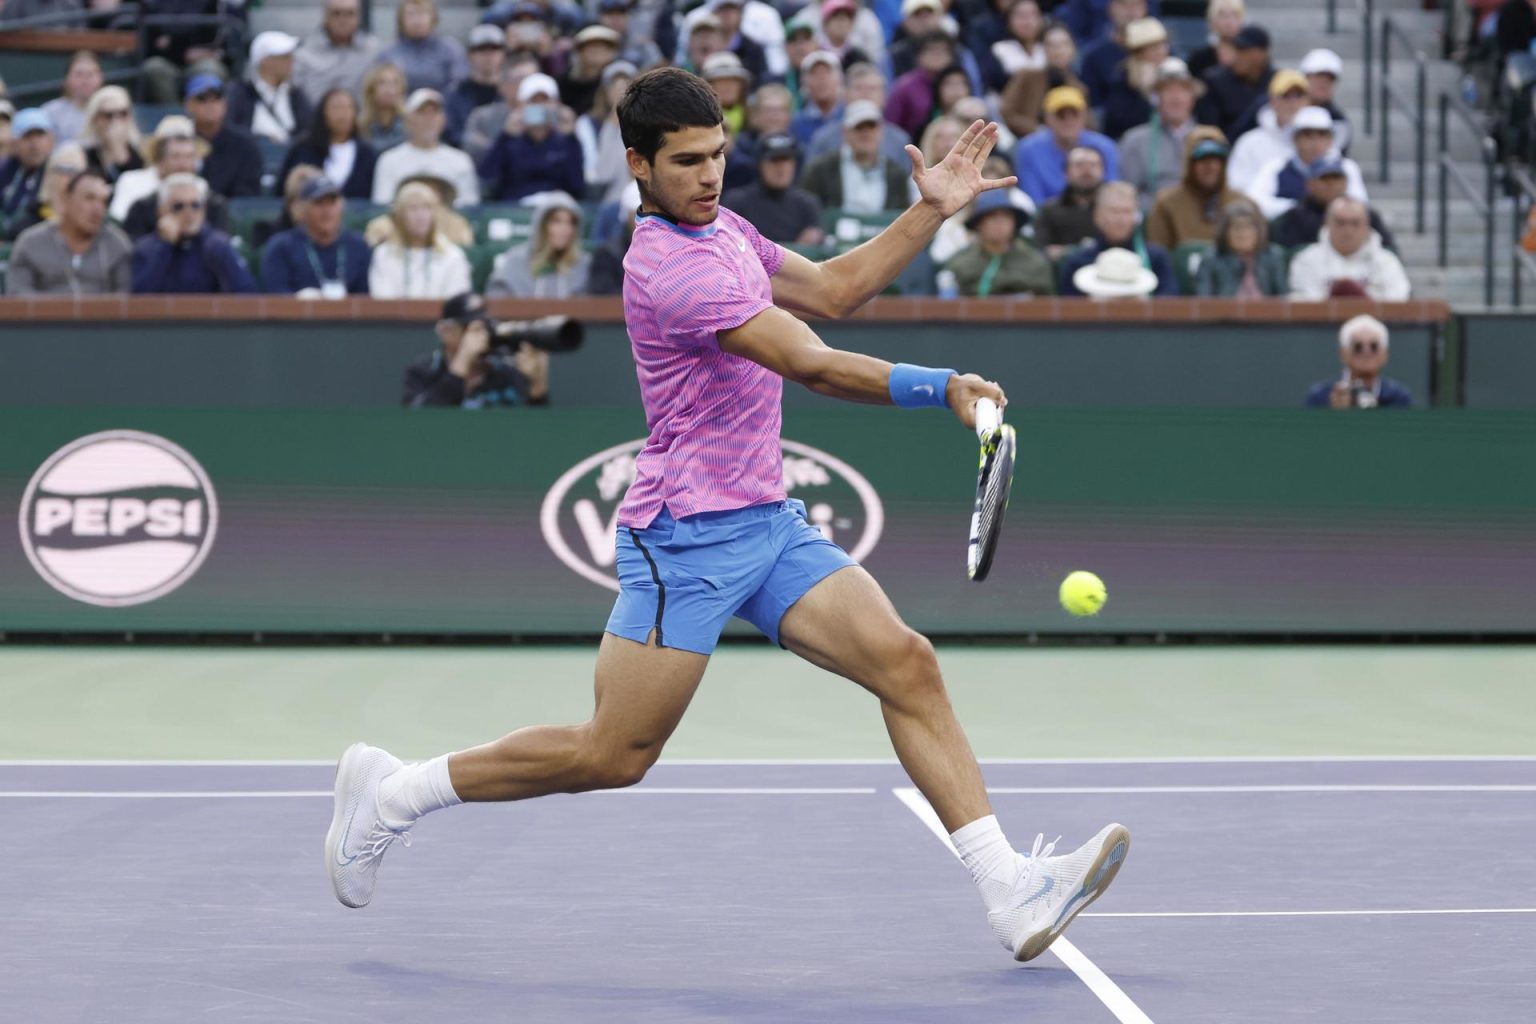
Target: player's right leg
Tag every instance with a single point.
(642, 691)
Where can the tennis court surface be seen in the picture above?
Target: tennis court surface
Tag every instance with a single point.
(1272, 890)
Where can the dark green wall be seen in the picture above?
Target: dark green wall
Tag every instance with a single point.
(1500, 360)
(310, 365)
(1249, 521)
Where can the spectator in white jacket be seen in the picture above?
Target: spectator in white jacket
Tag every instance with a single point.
(1282, 183)
(424, 152)
(1271, 138)
(414, 258)
(1348, 259)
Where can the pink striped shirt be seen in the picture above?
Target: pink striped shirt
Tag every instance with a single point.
(714, 417)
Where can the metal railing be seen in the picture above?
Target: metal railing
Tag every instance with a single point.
(1485, 203)
(41, 91)
(1520, 261)
(68, 20)
(1416, 108)
(1367, 35)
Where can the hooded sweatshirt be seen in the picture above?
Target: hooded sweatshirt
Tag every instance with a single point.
(1185, 212)
(1378, 271)
(1257, 147)
(515, 275)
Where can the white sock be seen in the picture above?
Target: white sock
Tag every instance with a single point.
(414, 790)
(993, 864)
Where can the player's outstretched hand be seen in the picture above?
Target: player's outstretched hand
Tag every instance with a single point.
(964, 389)
(953, 182)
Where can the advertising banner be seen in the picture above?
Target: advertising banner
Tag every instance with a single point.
(445, 521)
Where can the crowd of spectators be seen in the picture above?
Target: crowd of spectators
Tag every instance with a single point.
(1213, 171)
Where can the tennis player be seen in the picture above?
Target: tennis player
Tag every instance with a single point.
(706, 533)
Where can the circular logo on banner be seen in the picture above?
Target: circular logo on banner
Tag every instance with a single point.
(580, 512)
(118, 518)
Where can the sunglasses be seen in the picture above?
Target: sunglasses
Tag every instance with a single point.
(209, 96)
(196, 204)
(114, 115)
(1360, 348)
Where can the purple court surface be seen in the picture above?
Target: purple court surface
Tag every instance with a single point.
(1329, 891)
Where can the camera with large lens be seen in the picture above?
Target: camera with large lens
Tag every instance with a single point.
(550, 333)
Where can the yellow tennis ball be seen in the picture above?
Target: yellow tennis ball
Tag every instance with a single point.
(1082, 593)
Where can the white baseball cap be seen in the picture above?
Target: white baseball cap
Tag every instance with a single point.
(272, 44)
(826, 57)
(537, 84)
(1322, 62)
(1313, 119)
(420, 98)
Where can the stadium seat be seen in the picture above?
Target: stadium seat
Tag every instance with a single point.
(245, 213)
(148, 116)
(846, 229)
(814, 252)
(358, 213)
(506, 225)
(482, 258)
(1186, 264)
(272, 156)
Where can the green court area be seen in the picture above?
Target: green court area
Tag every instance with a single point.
(110, 703)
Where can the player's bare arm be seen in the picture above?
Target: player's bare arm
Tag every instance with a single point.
(790, 348)
(841, 285)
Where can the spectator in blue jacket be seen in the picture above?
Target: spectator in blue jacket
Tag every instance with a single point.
(1040, 159)
(333, 144)
(429, 60)
(1363, 343)
(1117, 225)
(487, 56)
(184, 255)
(1089, 20)
(540, 159)
(317, 258)
(1127, 100)
(1104, 48)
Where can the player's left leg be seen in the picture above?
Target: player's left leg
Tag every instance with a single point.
(846, 624)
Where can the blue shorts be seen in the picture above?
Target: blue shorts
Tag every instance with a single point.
(686, 578)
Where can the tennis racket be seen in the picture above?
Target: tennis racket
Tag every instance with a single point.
(993, 481)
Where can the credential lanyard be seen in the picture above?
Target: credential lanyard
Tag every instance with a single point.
(314, 263)
(984, 286)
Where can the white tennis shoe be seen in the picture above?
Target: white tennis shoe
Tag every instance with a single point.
(358, 837)
(1051, 891)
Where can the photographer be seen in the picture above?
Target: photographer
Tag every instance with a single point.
(476, 368)
(1363, 351)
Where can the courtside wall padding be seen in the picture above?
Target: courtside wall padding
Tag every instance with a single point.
(1198, 519)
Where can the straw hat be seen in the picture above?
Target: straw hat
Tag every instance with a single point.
(172, 126)
(1116, 273)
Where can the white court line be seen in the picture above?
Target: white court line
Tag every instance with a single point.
(832, 762)
(1099, 983)
(235, 794)
(1315, 913)
(1298, 788)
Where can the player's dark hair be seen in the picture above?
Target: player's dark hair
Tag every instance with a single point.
(664, 100)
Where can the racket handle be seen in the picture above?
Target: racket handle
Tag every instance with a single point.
(988, 417)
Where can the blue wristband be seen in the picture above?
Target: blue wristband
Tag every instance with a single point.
(919, 387)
